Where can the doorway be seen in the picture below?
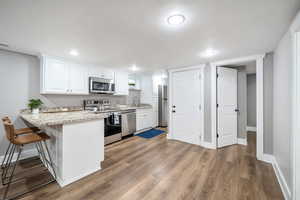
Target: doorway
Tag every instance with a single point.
(258, 59)
(186, 105)
(236, 104)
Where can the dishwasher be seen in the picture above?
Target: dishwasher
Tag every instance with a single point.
(128, 122)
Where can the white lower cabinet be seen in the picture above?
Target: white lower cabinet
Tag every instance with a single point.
(144, 119)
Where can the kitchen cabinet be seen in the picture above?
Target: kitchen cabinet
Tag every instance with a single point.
(121, 83)
(61, 77)
(100, 72)
(78, 79)
(155, 111)
(54, 76)
(144, 119)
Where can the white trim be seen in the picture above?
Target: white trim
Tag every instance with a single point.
(214, 104)
(242, 141)
(282, 182)
(295, 138)
(279, 175)
(24, 155)
(259, 98)
(63, 183)
(268, 158)
(260, 107)
(208, 145)
(251, 128)
(143, 130)
(171, 71)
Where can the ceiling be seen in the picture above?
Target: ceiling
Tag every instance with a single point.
(122, 33)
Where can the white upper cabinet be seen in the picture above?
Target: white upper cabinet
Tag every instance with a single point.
(54, 74)
(78, 79)
(121, 83)
(100, 72)
(61, 77)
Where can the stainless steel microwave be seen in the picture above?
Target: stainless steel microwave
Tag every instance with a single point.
(101, 85)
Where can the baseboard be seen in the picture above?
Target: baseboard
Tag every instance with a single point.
(282, 182)
(251, 128)
(63, 183)
(242, 141)
(143, 130)
(25, 154)
(208, 145)
(268, 158)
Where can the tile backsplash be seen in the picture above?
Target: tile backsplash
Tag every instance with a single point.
(77, 100)
(134, 97)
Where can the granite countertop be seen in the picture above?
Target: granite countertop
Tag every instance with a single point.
(142, 106)
(51, 119)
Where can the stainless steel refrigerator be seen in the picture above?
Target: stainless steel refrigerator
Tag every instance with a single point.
(162, 106)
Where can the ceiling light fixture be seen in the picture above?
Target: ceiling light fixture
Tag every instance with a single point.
(134, 68)
(209, 53)
(74, 52)
(176, 19)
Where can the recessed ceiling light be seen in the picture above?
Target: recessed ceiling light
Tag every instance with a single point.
(134, 68)
(74, 52)
(176, 19)
(209, 53)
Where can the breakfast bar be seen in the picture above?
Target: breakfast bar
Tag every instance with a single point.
(77, 142)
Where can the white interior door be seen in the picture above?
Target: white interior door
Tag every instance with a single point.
(227, 105)
(186, 106)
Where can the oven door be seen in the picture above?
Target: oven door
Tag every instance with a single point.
(112, 129)
(100, 85)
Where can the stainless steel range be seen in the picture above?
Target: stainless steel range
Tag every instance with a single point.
(118, 124)
(112, 123)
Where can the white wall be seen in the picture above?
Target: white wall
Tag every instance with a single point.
(282, 110)
(19, 81)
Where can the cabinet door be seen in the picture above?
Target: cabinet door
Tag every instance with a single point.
(55, 76)
(94, 71)
(121, 81)
(101, 72)
(148, 119)
(78, 79)
(107, 74)
(139, 122)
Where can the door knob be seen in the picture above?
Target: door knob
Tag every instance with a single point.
(174, 106)
(173, 111)
(237, 110)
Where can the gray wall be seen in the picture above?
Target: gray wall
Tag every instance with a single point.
(242, 102)
(19, 81)
(207, 103)
(282, 100)
(268, 103)
(251, 97)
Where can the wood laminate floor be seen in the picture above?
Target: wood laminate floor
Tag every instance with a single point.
(157, 168)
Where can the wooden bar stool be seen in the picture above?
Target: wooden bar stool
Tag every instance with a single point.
(17, 140)
(18, 132)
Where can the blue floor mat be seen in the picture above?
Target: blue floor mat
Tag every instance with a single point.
(150, 133)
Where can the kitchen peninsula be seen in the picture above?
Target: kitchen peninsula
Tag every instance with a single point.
(76, 144)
